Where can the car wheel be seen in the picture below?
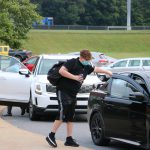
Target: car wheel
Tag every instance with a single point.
(97, 130)
(32, 111)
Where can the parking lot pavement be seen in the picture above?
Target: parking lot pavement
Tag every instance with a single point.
(14, 138)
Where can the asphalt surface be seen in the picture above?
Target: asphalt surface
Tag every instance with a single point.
(13, 138)
(43, 126)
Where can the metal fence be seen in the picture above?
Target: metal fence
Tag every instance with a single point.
(83, 27)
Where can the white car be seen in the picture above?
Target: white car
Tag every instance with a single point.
(34, 89)
(130, 64)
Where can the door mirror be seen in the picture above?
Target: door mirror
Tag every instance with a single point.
(24, 72)
(137, 96)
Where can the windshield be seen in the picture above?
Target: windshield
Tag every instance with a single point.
(46, 64)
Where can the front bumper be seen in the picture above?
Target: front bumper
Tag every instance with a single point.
(48, 103)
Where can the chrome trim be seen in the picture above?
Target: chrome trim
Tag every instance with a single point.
(126, 141)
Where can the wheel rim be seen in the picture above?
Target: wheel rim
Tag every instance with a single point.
(96, 128)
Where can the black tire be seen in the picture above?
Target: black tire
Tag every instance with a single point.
(97, 130)
(32, 111)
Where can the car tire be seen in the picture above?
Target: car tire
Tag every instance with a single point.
(97, 130)
(32, 111)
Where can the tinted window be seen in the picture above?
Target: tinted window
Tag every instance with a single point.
(32, 60)
(121, 89)
(120, 64)
(5, 49)
(146, 62)
(0, 49)
(133, 63)
(141, 82)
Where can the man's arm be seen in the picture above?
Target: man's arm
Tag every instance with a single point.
(100, 70)
(64, 72)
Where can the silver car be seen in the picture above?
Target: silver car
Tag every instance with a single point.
(99, 59)
(130, 64)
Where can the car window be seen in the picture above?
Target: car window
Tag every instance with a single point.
(10, 64)
(146, 62)
(121, 89)
(134, 63)
(32, 60)
(120, 64)
(141, 82)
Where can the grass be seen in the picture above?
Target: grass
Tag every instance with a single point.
(118, 44)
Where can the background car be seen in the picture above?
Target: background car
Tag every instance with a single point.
(99, 59)
(15, 82)
(130, 64)
(20, 54)
(21, 87)
(42, 95)
(119, 109)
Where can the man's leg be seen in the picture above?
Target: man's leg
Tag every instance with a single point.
(56, 125)
(70, 117)
(69, 128)
(9, 108)
(22, 110)
(51, 137)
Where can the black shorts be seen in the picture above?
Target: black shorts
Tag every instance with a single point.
(66, 105)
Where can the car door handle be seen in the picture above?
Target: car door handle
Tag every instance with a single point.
(110, 105)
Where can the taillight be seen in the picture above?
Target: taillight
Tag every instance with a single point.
(103, 60)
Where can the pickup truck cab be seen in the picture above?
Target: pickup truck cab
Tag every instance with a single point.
(4, 50)
(20, 54)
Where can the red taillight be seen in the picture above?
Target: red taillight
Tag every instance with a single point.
(103, 60)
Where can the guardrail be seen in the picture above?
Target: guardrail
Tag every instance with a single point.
(84, 27)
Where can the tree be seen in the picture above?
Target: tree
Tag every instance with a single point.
(100, 12)
(16, 19)
(65, 12)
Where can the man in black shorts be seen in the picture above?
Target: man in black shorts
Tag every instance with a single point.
(73, 72)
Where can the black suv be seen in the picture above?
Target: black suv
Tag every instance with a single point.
(119, 109)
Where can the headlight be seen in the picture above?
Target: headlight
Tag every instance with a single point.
(38, 89)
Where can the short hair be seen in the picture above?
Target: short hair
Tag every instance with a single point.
(86, 54)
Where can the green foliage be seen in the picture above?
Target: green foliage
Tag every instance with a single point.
(64, 12)
(95, 12)
(16, 19)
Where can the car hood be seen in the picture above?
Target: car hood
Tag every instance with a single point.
(90, 79)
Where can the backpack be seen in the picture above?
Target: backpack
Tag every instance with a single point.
(53, 75)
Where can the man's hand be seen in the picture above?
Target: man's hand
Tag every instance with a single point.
(78, 78)
(64, 72)
(100, 70)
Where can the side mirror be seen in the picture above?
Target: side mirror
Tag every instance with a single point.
(24, 72)
(138, 96)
